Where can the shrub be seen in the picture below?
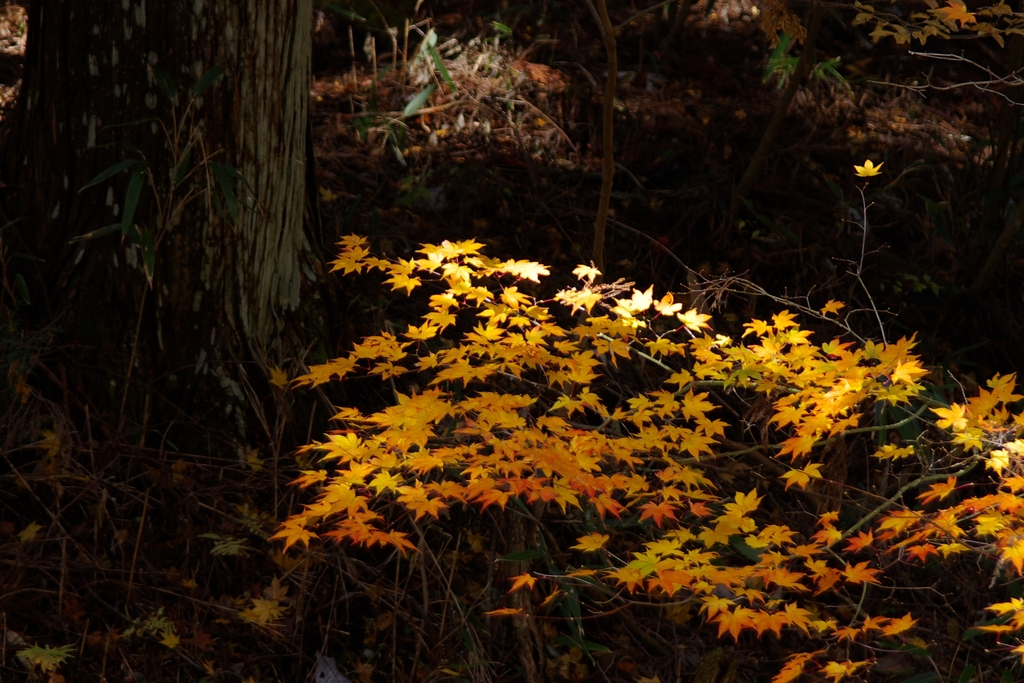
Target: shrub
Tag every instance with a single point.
(602, 408)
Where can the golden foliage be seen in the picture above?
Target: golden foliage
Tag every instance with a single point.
(525, 404)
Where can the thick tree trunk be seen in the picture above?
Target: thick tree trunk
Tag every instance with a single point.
(93, 94)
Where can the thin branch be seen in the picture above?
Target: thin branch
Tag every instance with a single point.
(607, 141)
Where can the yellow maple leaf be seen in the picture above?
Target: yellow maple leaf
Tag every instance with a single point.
(998, 460)
(694, 320)
(278, 377)
(954, 417)
(588, 273)
(29, 533)
(841, 670)
(592, 542)
(1015, 554)
(667, 305)
(327, 196)
(170, 639)
(802, 477)
(262, 611)
(893, 452)
(292, 532)
(832, 306)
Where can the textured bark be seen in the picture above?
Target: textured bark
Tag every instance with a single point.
(219, 289)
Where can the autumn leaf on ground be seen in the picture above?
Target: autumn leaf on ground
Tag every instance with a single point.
(591, 543)
(326, 195)
(275, 591)
(262, 611)
(522, 581)
(28, 534)
(170, 639)
(278, 377)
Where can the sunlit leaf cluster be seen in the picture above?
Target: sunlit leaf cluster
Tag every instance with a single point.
(604, 406)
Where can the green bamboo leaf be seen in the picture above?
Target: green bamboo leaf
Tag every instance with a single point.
(109, 172)
(131, 200)
(417, 102)
(182, 170)
(207, 80)
(441, 67)
(226, 182)
(22, 287)
(523, 556)
(926, 677)
(106, 230)
(165, 83)
(967, 674)
(347, 13)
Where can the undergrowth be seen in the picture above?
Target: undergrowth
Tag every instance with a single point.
(626, 454)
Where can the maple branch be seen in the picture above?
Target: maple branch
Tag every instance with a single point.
(926, 479)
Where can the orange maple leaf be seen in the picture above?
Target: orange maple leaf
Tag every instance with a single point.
(860, 573)
(735, 621)
(658, 511)
(921, 552)
(522, 581)
(505, 612)
(293, 532)
(956, 11)
(699, 509)
(770, 621)
(794, 668)
(938, 491)
(860, 542)
(895, 626)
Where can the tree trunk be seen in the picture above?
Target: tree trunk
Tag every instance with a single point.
(98, 75)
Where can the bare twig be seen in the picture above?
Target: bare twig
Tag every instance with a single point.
(607, 139)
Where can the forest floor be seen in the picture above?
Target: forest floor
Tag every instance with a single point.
(155, 566)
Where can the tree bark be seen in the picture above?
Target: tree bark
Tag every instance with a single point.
(94, 93)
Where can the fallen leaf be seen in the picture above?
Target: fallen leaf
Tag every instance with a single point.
(28, 534)
(170, 639)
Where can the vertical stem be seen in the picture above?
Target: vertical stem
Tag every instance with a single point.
(607, 143)
(135, 553)
(803, 68)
